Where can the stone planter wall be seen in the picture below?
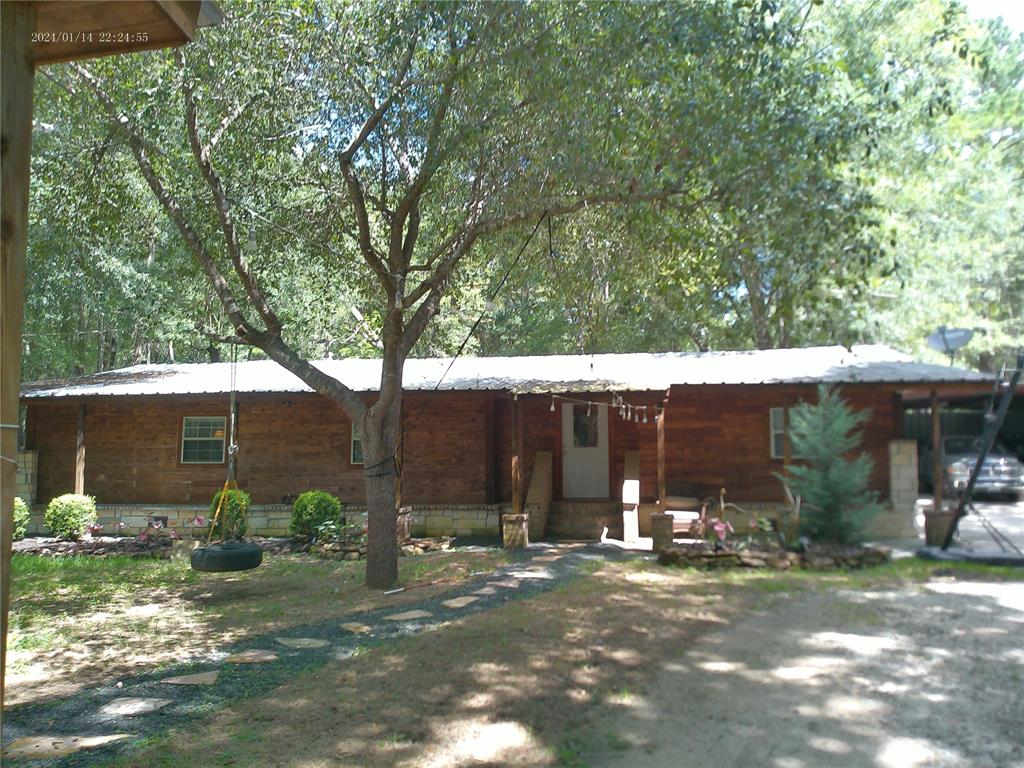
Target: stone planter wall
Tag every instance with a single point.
(274, 519)
(25, 477)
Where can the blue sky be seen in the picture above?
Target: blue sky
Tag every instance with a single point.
(1012, 11)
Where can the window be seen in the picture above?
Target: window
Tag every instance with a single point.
(584, 427)
(355, 455)
(202, 440)
(777, 433)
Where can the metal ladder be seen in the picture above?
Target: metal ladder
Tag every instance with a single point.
(1005, 387)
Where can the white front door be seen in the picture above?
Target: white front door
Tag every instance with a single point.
(584, 451)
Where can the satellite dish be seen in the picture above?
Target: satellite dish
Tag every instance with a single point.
(949, 340)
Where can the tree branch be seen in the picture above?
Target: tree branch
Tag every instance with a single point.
(370, 255)
(378, 114)
(171, 206)
(222, 206)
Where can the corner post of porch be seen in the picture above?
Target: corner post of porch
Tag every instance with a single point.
(19, 22)
(662, 481)
(936, 451)
(80, 451)
(517, 460)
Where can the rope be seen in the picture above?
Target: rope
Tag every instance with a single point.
(230, 483)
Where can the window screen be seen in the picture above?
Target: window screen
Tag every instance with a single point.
(202, 440)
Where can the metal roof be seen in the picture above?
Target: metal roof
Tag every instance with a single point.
(636, 372)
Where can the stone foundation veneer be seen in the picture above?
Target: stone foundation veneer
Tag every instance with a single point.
(274, 519)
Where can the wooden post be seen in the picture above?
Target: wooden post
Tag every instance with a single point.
(17, 71)
(517, 486)
(517, 460)
(80, 452)
(662, 480)
(936, 452)
(787, 446)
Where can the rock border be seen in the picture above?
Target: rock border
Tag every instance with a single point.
(819, 559)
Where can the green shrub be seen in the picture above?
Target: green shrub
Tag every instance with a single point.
(21, 518)
(312, 510)
(835, 485)
(232, 521)
(68, 516)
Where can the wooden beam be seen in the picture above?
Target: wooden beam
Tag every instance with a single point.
(17, 72)
(81, 29)
(662, 479)
(80, 451)
(936, 451)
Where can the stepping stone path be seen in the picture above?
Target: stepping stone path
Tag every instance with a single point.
(409, 616)
(78, 713)
(130, 706)
(459, 602)
(200, 678)
(255, 656)
(303, 642)
(531, 575)
(356, 628)
(50, 747)
(506, 583)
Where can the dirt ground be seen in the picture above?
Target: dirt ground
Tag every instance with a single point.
(638, 665)
(919, 675)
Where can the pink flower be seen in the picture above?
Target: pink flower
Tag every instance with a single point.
(722, 528)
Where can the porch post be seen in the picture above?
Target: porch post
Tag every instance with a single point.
(517, 460)
(18, 71)
(787, 446)
(661, 457)
(517, 487)
(936, 452)
(80, 452)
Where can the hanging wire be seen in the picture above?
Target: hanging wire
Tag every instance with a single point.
(392, 459)
(494, 293)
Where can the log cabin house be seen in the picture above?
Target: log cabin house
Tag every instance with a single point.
(150, 441)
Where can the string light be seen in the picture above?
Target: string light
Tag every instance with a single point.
(627, 411)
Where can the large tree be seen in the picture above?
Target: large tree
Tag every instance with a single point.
(402, 135)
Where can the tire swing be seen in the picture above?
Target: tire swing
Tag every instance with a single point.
(226, 556)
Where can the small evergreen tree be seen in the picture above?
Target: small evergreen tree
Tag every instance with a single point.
(833, 483)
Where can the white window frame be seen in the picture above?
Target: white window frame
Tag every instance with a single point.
(355, 437)
(773, 432)
(223, 440)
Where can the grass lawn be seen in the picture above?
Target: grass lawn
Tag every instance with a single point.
(534, 682)
(76, 621)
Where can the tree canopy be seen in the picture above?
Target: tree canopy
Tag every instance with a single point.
(852, 173)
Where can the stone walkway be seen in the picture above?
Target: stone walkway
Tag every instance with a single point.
(97, 725)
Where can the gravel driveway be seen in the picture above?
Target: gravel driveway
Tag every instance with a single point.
(923, 675)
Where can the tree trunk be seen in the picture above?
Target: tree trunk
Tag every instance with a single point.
(759, 312)
(380, 443)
